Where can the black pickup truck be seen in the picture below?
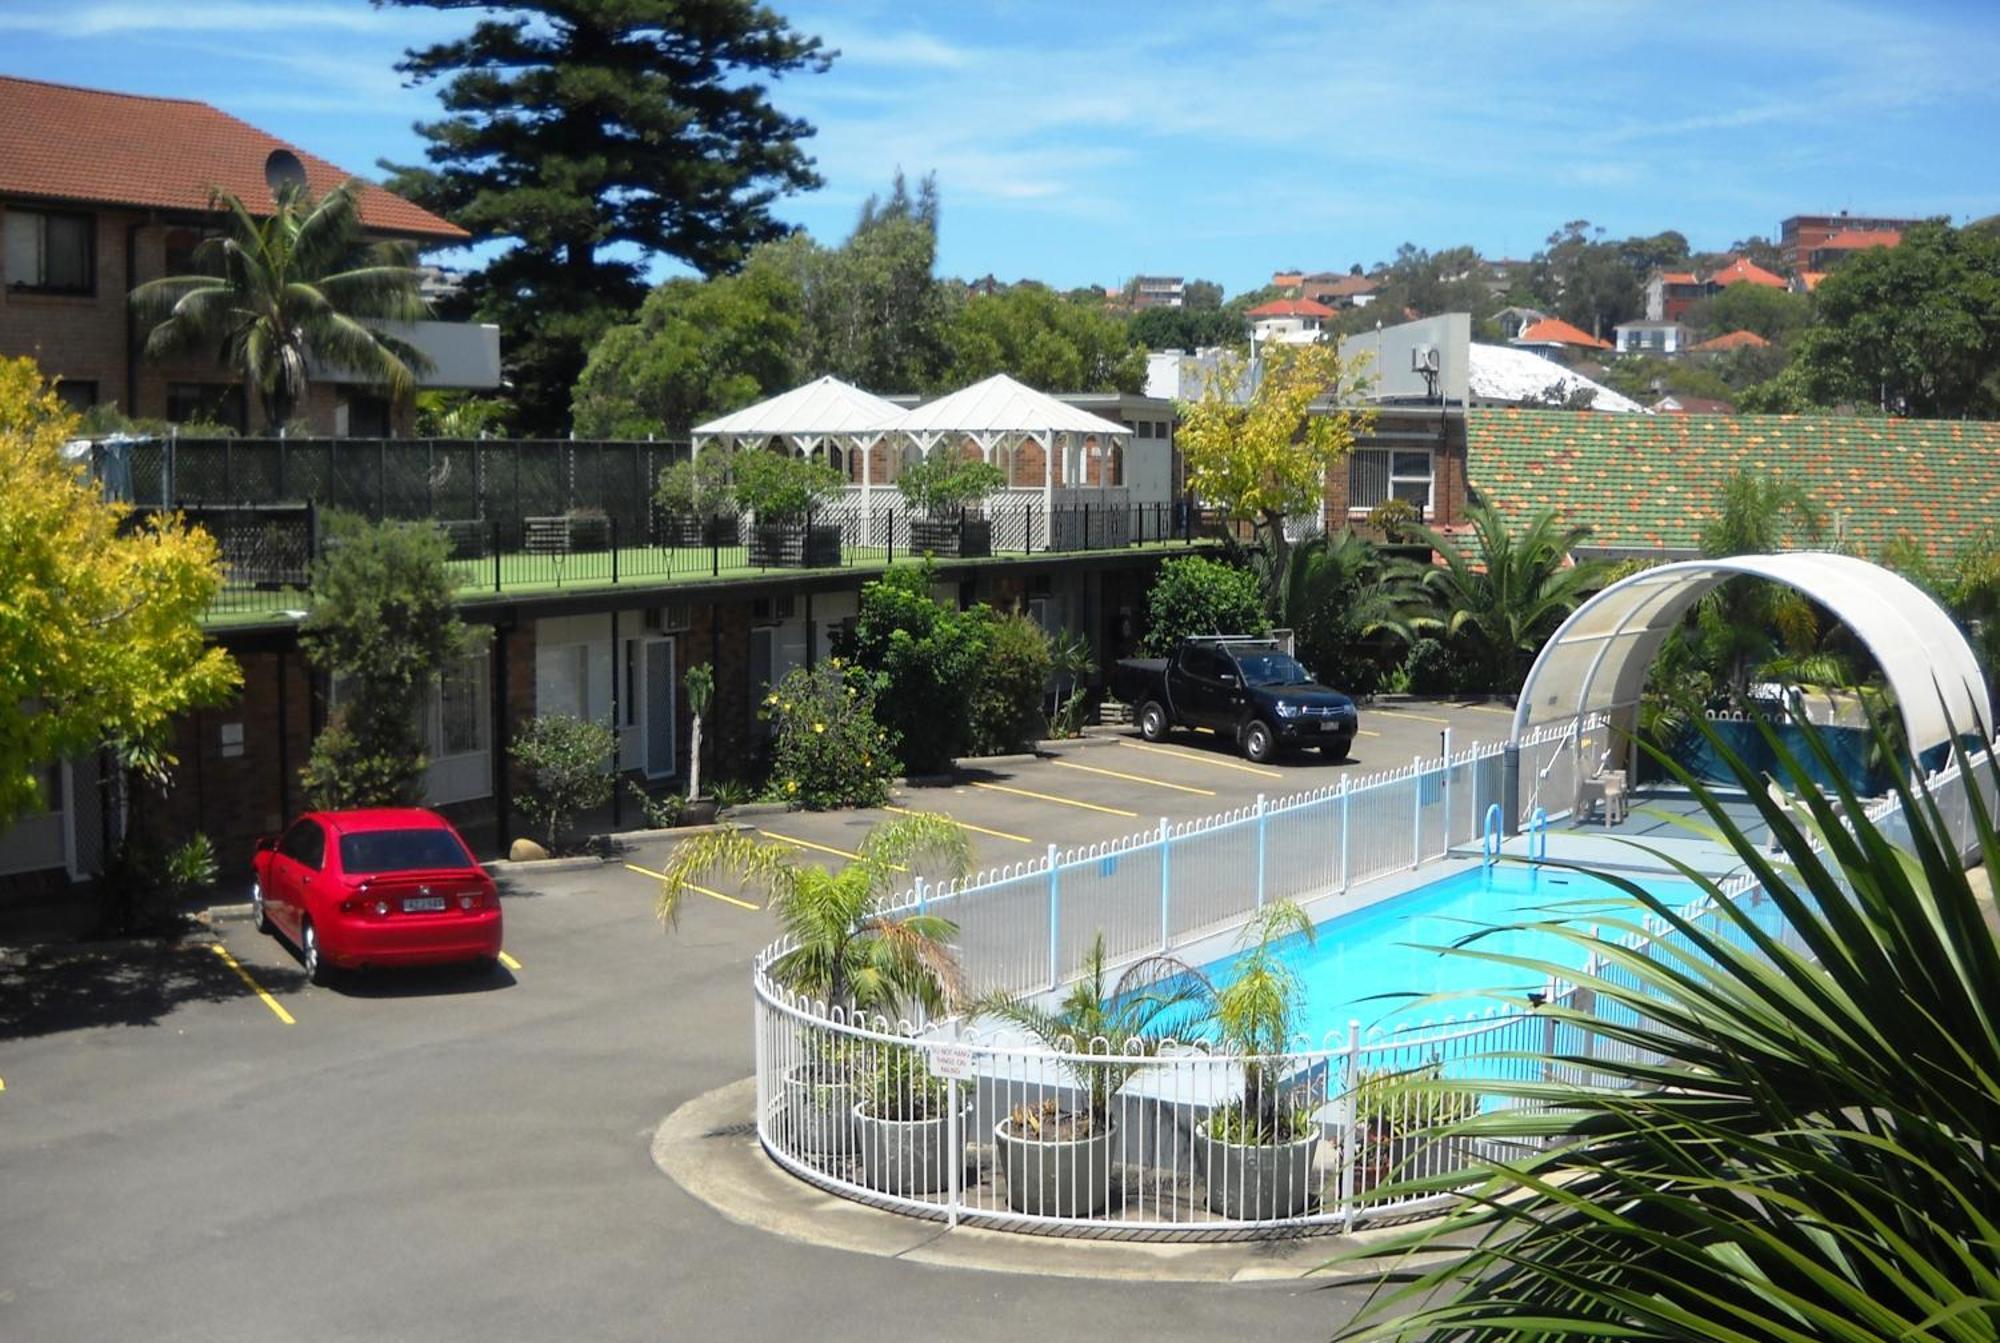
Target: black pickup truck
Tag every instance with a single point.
(1250, 689)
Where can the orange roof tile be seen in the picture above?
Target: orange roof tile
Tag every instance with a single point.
(1855, 240)
(1811, 278)
(59, 142)
(1679, 277)
(1744, 271)
(1291, 307)
(1555, 331)
(1734, 340)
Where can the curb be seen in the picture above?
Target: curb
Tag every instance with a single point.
(710, 1149)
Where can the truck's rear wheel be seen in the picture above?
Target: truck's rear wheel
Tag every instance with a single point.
(1259, 742)
(1153, 725)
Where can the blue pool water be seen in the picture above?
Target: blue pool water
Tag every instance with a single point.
(1379, 950)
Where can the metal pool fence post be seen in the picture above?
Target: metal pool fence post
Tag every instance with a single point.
(1166, 888)
(1346, 834)
(918, 891)
(1444, 787)
(1263, 823)
(1416, 810)
(955, 1155)
(1350, 1148)
(1055, 917)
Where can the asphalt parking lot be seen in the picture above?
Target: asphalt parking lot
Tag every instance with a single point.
(197, 1144)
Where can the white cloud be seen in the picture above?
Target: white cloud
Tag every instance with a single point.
(107, 19)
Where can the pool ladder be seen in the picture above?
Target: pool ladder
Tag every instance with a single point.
(1538, 835)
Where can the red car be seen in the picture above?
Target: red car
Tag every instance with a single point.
(386, 886)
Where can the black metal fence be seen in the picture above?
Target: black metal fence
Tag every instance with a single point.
(268, 549)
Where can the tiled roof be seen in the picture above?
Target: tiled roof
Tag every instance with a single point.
(1679, 277)
(1555, 331)
(1676, 404)
(1744, 271)
(1733, 340)
(1811, 278)
(59, 142)
(1346, 286)
(1290, 307)
(1855, 240)
(1652, 481)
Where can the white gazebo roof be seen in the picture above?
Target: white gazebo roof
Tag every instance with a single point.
(823, 408)
(1597, 662)
(998, 407)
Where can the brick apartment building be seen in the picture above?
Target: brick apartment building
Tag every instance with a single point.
(100, 192)
(1801, 235)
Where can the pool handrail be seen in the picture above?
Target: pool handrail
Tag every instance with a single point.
(1538, 835)
(1490, 842)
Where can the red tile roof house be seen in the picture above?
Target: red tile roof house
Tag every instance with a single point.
(100, 192)
(1730, 340)
(1554, 337)
(1825, 256)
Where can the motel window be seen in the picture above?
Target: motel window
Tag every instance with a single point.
(1375, 475)
(461, 714)
(50, 253)
(206, 403)
(78, 394)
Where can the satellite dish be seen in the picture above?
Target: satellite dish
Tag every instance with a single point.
(282, 169)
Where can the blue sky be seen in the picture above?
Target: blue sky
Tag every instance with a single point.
(1089, 140)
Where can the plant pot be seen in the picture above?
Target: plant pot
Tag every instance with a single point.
(952, 538)
(686, 529)
(818, 1117)
(905, 1156)
(1062, 1178)
(1386, 1158)
(1257, 1182)
(701, 811)
(792, 545)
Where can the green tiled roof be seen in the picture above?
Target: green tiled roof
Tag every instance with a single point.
(1652, 481)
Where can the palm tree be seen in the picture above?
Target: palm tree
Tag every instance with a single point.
(1509, 598)
(1748, 623)
(277, 293)
(845, 947)
(1345, 605)
(1071, 665)
(1157, 1000)
(1787, 1140)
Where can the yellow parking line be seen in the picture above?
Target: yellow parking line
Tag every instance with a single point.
(1488, 708)
(1050, 797)
(1202, 759)
(1364, 732)
(1135, 778)
(277, 1008)
(509, 961)
(962, 825)
(1420, 717)
(823, 848)
(718, 895)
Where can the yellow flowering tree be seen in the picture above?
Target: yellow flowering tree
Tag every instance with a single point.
(1264, 458)
(100, 625)
(830, 751)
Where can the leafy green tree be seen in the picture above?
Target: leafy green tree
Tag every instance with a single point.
(1742, 626)
(381, 625)
(571, 767)
(1764, 1140)
(1760, 251)
(1030, 333)
(274, 294)
(923, 660)
(1586, 280)
(943, 483)
(1346, 605)
(832, 750)
(1646, 377)
(1188, 328)
(1775, 314)
(591, 139)
(779, 488)
(1913, 329)
(100, 626)
(1197, 595)
(1201, 295)
(845, 948)
(1006, 703)
(1662, 251)
(698, 348)
(1506, 594)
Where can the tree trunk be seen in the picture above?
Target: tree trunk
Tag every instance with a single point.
(1275, 545)
(694, 760)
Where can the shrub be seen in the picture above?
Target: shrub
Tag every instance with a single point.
(780, 488)
(1435, 667)
(1007, 702)
(943, 483)
(699, 488)
(570, 764)
(1196, 595)
(831, 752)
(1393, 518)
(143, 886)
(383, 625)
(923, 660)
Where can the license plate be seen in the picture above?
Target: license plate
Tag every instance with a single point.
(1329, 727)
(422, 904)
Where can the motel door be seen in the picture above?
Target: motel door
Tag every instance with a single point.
(659, 713)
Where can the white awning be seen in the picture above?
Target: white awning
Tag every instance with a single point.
(823, 408)
(998, 407)
(1598, 661)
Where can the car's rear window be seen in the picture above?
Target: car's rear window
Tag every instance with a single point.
(401, 851)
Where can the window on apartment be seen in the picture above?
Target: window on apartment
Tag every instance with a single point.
(183, 252)
(79, 394)
(1375, 475)
(206, 403)
(362, 415)
(1145, 428)
(50, 253)
(461, 707)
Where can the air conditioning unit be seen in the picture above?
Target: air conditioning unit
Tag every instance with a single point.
(674, 616)
(787, 606)
(1424, 359)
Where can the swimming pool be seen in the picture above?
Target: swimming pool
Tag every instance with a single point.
(1378, 950)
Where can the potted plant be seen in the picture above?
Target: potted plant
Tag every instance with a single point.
(1402, 1118)
(945, 493)
(843, 949)
(588, 528)
(782, 492)
(1056, 1150)
(1257, 1150)
(699, 682)
(902, 1125)
(699, 500)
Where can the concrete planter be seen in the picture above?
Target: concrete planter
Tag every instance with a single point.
(1056, 1179)
(953, 538)
(905, 1156)
(795, 546)
(818, 1118)
(1260, 1182)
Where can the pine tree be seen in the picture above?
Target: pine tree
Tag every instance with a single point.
(575, 127)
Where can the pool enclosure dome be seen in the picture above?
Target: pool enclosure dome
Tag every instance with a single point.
(1598, 660)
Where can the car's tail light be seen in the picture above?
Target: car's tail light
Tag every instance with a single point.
(470, 899)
